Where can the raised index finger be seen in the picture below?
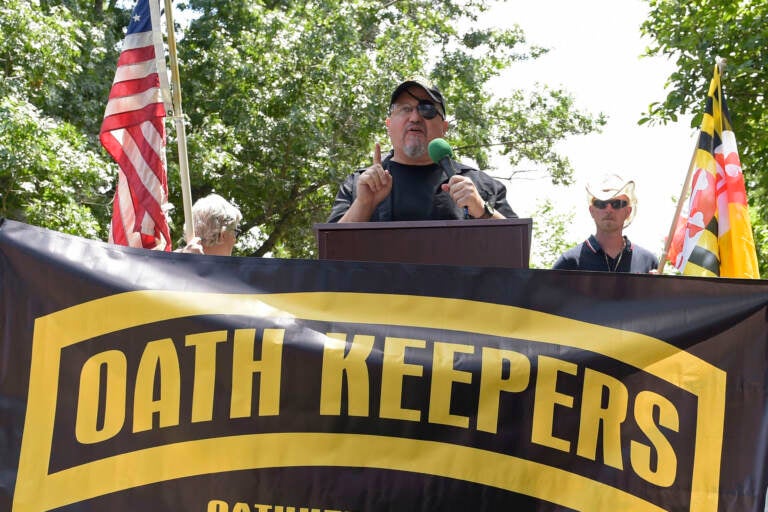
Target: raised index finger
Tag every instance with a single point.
(377, 154)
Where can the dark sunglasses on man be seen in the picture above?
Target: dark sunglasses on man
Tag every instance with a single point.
(616, 204)
(425, 108)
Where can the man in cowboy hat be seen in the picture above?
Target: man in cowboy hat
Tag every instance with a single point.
(612, 205)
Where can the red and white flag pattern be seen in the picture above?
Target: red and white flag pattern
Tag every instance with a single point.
(133, 132)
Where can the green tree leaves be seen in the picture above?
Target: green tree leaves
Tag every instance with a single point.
(694, 33)
(550, 235)
(48, 175)
(282, 99)
(301, 92)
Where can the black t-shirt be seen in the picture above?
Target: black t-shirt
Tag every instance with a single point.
(413, 190)
(416, 194)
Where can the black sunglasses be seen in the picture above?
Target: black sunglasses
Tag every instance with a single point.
(616, 204)
(425, 108)
(238, 231)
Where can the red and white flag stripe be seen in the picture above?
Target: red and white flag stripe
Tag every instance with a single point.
(133, 132)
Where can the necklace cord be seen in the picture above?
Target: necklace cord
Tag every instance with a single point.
(618, 261)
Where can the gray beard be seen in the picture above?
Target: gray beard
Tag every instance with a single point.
(415, 150)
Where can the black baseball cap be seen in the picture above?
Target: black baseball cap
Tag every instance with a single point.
(429, 87)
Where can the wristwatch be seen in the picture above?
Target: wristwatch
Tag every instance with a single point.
(488, 211)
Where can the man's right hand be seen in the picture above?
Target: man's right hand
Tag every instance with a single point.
(193, 247)
(373, 186)
(375, 183)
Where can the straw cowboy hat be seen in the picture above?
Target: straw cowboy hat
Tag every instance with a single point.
(609, 186)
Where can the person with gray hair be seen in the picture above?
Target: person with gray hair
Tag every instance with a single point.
(612, 205)
(216, 222)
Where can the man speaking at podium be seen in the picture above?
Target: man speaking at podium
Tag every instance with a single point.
(418, 179)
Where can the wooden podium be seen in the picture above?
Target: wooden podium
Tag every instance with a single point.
(485, 243)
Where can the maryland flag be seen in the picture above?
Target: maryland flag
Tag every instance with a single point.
(715, 238)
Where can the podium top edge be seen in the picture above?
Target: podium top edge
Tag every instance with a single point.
(421, 224)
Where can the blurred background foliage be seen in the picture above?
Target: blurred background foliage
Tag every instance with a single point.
(283, 99)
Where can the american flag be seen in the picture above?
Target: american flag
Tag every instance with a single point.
(133, 132)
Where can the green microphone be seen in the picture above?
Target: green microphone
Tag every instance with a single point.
(441, 153)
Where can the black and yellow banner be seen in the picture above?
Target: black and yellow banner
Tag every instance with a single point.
(139, 380)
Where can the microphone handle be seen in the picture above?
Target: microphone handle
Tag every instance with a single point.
(447, 167)
(449, 171)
